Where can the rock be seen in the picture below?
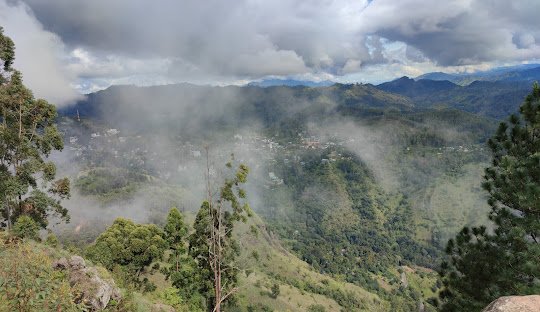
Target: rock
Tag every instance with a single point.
(60, 264)
(404, 281)
(91, 289)
(515, 304)
(77, 263)
(421, 306)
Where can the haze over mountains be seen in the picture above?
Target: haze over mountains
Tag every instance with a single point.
(525, 72)
(242, 156)
(494, 94)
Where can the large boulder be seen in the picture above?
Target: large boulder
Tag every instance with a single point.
(515, 304)
(89, 287)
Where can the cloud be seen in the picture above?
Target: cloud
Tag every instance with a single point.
(221, 42)
(247, 38)
(459, 32)
(37, 55)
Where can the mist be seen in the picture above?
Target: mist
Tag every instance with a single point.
(152, 142)
(164, 137)
(45, 73)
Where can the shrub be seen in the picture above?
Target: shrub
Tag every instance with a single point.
(26, 227)
(316, 308)
(274, 291)
(51, 240)
(28, 281)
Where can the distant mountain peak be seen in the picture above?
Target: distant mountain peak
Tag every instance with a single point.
(289, 83)
(410, 87)
(522, 72)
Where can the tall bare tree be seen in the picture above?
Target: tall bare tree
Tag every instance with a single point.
(212, 244)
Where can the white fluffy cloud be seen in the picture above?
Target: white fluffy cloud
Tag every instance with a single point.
(38, 54)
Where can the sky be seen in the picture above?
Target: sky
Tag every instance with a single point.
(68, 47)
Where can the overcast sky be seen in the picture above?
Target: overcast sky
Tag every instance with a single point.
(69, 46)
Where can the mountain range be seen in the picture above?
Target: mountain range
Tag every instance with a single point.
(524, 72)
(358, 185)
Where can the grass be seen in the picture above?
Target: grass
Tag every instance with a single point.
(300, 285)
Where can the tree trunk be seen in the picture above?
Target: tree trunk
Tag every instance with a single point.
(8, 211)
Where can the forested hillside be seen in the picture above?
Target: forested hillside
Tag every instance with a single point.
(363, 202)
(493, 99)
(370, 190)
(265, 156)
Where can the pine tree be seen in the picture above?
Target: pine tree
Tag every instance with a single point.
(484, 266)
(28, 135)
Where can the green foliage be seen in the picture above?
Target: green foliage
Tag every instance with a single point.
(7, 50)
(131, 246)
(108, 181)
(28, 281)
(175, 230)
(175, 233)
(513, 180)
(51, 240)
(343, 223)
(28, 135)
(274, 291)
(172, 297)
(484, 266)
(259, 307)
(199, 247)
(316, 308)
(191, 284)
(182, 270)
(26, 227)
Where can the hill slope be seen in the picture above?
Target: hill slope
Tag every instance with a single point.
(496, 99)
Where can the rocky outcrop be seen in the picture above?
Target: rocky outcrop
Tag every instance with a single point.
(88, 286)
(404, 281)
(515, 304)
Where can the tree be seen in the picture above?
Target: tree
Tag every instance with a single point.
(28, 135)
(212, 245)
(7, 50)
(175, 234)
(484, 265)
(199, 251)
(182, 272)
(130, 246)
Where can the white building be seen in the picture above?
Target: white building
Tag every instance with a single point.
(112, 132)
